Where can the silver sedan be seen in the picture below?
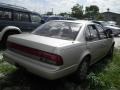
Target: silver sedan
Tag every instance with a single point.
(59, 48)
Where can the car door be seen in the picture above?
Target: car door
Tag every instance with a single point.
(105, 42)
(93, 43)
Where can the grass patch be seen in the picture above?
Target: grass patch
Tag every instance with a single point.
(6, 67)
(105, 75)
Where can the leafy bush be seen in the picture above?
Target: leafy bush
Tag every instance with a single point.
(105, 75)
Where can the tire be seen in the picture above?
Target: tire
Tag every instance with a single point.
(5, 37)
(82, 70)
(110, 52)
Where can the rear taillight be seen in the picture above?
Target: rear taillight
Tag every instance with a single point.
(41, 55)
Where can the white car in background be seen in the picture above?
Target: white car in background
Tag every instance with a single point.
(110, 25)
(59, 48)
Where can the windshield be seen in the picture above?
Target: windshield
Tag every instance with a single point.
(59, 29)
(105, 23)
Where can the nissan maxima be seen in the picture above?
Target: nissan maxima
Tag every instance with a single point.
(60, 48)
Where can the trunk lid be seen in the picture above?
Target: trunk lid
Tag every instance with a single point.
(39, 42)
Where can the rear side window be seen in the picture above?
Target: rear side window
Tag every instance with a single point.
(21, 17)
(92, 33)
(5, 15)
(16, 17)
(35, 18)
(24, 17)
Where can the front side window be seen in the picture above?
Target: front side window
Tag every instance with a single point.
(35, 18)
(91, 33)
(5, 15)
(59, 29)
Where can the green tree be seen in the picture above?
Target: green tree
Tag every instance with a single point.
(92, 11)
(77, 11)
(99, 17)
(49, 13)
(63, 14)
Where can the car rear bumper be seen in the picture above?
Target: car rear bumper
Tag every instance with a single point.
(44, 70)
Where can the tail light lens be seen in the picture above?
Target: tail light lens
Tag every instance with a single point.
(42, 55)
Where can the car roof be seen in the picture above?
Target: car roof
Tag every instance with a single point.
(77, 21)
(16, 8)
(54, 16)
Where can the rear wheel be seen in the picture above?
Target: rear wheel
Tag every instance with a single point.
(5, 37)
(82, 70)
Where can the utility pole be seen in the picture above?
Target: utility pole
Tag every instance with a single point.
(52, 10)
(108, 16)
(108, 10)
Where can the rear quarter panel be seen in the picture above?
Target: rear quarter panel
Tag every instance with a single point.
(73, 54)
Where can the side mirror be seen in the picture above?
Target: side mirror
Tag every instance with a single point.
(109, 33)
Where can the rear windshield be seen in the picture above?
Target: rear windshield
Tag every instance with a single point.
(104, 23)
(59, 29)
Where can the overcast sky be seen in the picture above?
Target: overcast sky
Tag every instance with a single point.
(42, 6)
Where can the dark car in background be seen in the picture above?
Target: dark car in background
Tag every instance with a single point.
(52, 17)
(15, 19)
(71, 18)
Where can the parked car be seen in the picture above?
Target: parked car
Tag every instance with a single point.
(112, 23)
(52, 17)
(59, 48)
(71, 18)
(44, 19)
(110, 26)
(14, 20)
